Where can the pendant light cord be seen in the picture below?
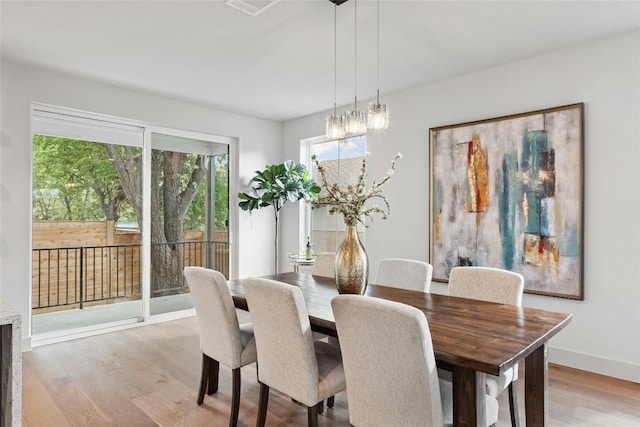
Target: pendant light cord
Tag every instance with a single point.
(378, 50)
(355, 54)
(335, 58)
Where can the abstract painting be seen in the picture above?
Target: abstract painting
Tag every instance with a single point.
(508, 193)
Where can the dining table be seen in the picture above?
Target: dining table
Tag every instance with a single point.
(471, 338)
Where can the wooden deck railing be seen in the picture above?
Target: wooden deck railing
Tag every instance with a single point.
(89, 275)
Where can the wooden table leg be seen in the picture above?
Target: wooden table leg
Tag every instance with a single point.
(535, 387)
(468, 398)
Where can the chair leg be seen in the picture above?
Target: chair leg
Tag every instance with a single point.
(214, 372)
(320, 406)
(235, 399)
(312, 415)
(330, 401)
(513, 404)
(204, 378)
(262, 407)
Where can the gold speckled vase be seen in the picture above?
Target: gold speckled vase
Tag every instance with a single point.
(352, 264)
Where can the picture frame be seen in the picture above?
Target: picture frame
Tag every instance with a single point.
(508, 192)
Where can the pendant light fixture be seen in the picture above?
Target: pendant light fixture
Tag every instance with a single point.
(378, 114)
(355, 121)
(335, 122)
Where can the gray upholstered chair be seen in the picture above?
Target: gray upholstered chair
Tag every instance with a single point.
(289, 360)
(392, 378)
(405, 274)
(324, 264)
(493, 285)
(222, 338)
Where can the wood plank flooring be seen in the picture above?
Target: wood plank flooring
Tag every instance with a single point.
(149, 376)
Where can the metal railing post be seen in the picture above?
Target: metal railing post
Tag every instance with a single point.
(81, 276)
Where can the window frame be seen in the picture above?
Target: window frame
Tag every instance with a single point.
(305, 211)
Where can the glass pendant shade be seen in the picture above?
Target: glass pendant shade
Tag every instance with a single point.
(335, 127)
(355, 122)
(378, 116)
(334, 123)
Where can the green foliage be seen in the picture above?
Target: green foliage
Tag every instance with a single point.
(222, 193)
(75, 180)
(277, 184)
(196, 215)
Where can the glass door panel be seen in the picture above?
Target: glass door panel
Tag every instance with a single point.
(189, 216)
(86, 269)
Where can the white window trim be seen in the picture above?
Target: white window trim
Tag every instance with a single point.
(304, 209)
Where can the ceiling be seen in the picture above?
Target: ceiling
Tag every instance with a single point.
(279, 64)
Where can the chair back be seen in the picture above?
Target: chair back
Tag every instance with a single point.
(487, 284)
(286, 355)
(405, 274)
(220, 336)
(389, 363)
(324, 265)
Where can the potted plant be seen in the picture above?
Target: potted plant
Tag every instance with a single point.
(275, 186)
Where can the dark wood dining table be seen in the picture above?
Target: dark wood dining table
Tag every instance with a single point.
(470, 338)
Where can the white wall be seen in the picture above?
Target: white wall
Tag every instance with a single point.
(604, 335)
(259, 143)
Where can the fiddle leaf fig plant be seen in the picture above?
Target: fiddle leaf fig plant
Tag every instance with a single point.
(275, 186)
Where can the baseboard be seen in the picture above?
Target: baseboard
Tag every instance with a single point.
(612, 368)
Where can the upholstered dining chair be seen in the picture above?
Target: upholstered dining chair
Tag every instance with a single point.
(222, 338)
(324, 264)
(493, 285)
(392, 378)
(405, 273)
(289, 360)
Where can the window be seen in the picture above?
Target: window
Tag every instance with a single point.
(342, 160)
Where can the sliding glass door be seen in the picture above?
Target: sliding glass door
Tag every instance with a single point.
(189, 215)
(119, 210)
(86, 242)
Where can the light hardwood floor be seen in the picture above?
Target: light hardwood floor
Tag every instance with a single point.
(149, 376)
